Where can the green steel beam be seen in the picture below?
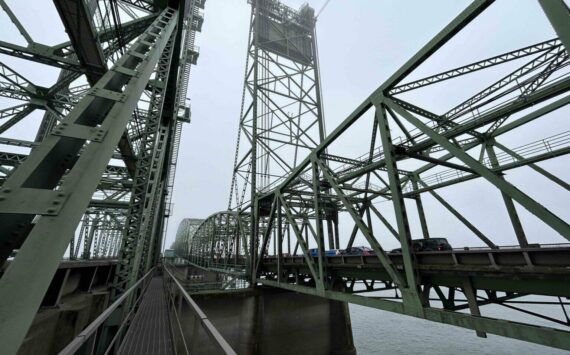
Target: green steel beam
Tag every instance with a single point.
(456, 25)
(380, 253)
(318, 222)
(410, 288)
(459, 216)
(78, 22)
(523, 199)
(473, 67)
(420, 208)
(16, 22)
(24, 283)
(57, 57)
(511, 209)
(535, 167)
(144, 195)
(559, 16)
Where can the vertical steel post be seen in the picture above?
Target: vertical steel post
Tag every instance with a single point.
(254, 222)
(511, 209)
(410, 293)
(420, 207)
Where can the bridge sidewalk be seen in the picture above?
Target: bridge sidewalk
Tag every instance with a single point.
(149, 332)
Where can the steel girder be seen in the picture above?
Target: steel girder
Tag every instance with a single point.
(435, 151)
(90, 132)
(158, 151)
(146, 5)
(144, 195)
(63, 55)
(114, 189)
(59, 99)
(78, 22)
(103, 221)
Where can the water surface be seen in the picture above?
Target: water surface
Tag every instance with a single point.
(380, 332)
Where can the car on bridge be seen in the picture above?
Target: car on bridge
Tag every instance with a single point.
(358, 251)
(314, 252)
(429, 244)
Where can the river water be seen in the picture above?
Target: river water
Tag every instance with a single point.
(380, 332)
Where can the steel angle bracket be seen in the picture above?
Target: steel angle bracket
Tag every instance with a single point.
(32, 201)
(65, 129)
(108, 94)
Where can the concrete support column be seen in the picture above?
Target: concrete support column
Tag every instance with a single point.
(342, 342)
(249, 325)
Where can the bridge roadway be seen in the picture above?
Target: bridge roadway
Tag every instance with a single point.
(542, 270)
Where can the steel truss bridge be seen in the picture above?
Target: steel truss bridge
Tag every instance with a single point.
(281, 222)
(95, 183)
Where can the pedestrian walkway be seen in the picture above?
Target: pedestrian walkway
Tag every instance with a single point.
(149, 332)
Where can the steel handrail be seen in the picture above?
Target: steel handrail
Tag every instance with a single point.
(207, 325)
(92, 328)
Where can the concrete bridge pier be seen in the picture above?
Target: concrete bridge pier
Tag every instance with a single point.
(268, 321)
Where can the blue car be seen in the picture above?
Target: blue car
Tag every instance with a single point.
(333, 252)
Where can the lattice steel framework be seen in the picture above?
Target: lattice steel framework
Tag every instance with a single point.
(97, 180)
(281, 115)
(413, 152)
(184, 234)
(224, 237)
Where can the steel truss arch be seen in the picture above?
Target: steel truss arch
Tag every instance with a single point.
(217, 242)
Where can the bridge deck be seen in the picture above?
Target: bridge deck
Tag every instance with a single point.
(541, 270)
(149, 332)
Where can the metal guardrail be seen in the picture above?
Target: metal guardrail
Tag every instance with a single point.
(85, 342)
(173, 286)
(527, 151)
(515, 247)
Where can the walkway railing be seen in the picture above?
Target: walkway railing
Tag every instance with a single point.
(174, 288)
(86, 341)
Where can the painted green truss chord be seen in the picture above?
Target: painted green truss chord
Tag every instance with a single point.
(108, 106)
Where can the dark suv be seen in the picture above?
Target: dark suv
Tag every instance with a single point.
(365, 251)
(430, 244)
